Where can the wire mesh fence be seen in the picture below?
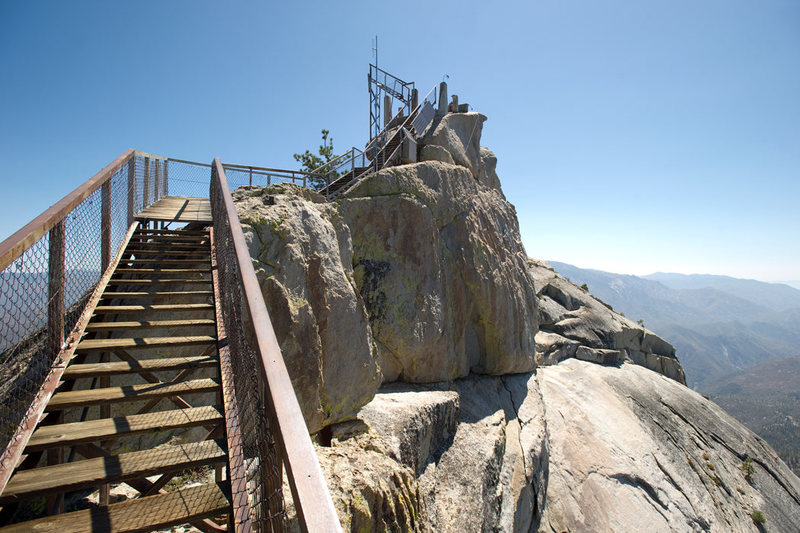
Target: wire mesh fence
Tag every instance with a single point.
(56, 274)
(51, 269)
(262, 466)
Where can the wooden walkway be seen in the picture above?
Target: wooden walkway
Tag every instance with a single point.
(178, 209)
(145, 372)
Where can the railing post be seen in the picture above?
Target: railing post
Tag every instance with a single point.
(251, 176)
(165, 177)
(131, 188)
(105, 226)
(146, 199)
(157, 180)
(55, 289)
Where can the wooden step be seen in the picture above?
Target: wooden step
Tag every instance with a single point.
(139, 514)
(166, 244)
(114, 469)
(191, 253)
(90, 370)
(179, 232)
(112, 428)
(160, 240)
(155, 308)
(153, 294)
(105, 345)
(129, 393)
(156, 281)
(205, 259)
(160, 271)
(150, 324)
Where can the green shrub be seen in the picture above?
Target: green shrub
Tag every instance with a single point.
(585, 287)
(758, 517)
(747, 468)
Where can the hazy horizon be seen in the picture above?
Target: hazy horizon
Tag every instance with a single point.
(631, 137)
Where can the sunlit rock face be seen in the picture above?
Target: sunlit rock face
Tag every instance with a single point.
(465, 387)
(631, 450)
(573, 323)
(417, 274)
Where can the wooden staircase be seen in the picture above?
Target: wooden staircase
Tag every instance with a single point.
(147, 364)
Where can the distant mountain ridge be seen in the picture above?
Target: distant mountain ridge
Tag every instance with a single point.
(716, 329)
(779, 296)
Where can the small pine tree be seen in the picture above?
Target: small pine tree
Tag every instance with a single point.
(311, 161)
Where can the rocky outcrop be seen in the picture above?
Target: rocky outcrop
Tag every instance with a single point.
(573, 323)
(302, 256)
(633, 451)
(441, 269)
(416, 275)
(466, 457)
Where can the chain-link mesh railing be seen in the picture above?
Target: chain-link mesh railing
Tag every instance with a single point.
(48, 271)
(261, 469)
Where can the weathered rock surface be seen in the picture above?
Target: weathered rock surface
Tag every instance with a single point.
(631, 450)
(471, 456)
(573, 323)
(441, 268)
(460, 135)
(302, 256)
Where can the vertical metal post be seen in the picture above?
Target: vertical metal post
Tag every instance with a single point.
(251, 176)
(166, 177)
(157, 180)
(146, 200)
(55, 289)
(131, 189)
(105, 226)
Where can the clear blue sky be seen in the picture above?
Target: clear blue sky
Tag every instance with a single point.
(631, 136)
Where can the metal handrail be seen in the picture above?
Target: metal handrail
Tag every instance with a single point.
(14, 246)
(312, 499)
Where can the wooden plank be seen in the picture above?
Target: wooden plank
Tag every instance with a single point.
(113, 469)
(13, 247)
(177, 232)
(112, 428)
(101, 309)
(124, 270)
(129, 393)
(140, 514)
(150, 324)
(190, 253)
(166, 261)
(152, 294)
(147, 246)
(156, 281)
(88, 370)
(105, 345)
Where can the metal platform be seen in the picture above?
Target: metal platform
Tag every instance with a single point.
(178, 209)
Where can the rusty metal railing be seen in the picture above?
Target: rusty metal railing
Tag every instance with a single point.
(271, 426)
(48, 272)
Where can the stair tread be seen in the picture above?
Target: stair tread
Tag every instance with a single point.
(141, 365)
(166, 261)
(139, 514)
(153, 307)
(150, 324)
(129, 393)
(162, 270)
(113, 469)
(143, 342)
(108, 428)
(153, 294)
(156, 281)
